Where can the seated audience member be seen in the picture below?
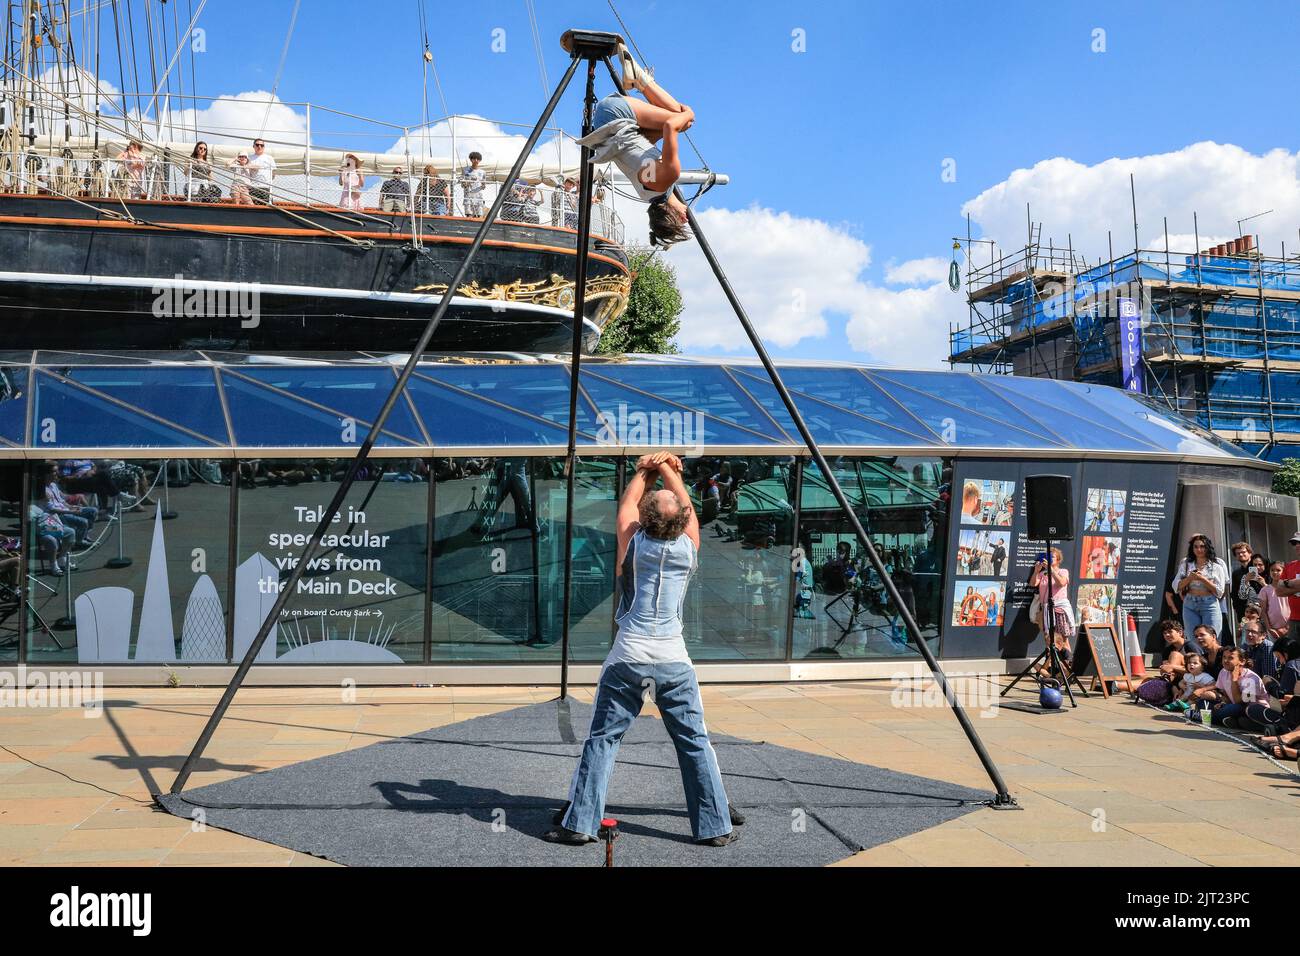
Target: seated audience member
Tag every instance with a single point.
(1259, 652)
(54, 539)
(1195, 680)
(1286, 716)
(1238, 687)
(395, 193)
(1253, 613)
(1211, 651)
(77, 517)
(1281, 746)
(1176, 646)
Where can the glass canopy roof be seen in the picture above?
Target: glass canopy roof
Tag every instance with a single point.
(132, 402)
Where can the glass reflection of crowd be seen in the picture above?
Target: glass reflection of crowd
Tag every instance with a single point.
(274, 472)
(906, 516)
(744, 503)
(69, 497)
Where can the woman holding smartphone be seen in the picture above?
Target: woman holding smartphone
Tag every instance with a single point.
(1202, 580)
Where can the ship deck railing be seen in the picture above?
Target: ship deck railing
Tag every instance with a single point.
(69, 150)
(539, 203)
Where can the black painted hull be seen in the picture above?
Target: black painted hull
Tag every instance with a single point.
(184, 275)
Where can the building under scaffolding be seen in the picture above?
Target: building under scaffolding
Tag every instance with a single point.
(1213, 334)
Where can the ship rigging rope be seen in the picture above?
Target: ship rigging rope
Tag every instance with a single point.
(637, 50)
(284, 53)
(364, 243)
(431, 64)
(176, 56)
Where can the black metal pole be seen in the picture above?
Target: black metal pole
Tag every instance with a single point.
(287, 590)
(575, 366)
(1004, 798)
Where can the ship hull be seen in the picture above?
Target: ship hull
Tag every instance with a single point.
(162, 275)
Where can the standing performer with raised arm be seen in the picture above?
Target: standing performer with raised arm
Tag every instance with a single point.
(658, 550)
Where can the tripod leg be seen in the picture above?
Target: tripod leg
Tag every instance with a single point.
(1028, 671)
(1065, 681)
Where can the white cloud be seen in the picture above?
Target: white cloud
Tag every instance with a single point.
(796, 276)
(918, 271)
(238, 119)
(1220, 182)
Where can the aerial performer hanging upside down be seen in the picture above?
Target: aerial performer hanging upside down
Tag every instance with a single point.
(625, 130)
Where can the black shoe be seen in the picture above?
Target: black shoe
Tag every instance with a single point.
(723, 840)
(558, 819)
(567, 837)
(737, 818)
(1230, 723)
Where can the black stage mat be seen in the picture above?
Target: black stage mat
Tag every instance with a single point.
(481, 792)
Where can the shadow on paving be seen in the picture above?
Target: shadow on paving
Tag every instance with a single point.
(481, 792)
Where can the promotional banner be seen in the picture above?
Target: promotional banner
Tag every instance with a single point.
(1123, 522)
(1130, 345)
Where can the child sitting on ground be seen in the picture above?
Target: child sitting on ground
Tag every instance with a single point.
(1196, 685)
(1238, 687)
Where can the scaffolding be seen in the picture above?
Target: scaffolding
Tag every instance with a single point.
(1219, 338)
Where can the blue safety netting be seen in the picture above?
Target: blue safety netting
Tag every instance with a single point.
(205, 401)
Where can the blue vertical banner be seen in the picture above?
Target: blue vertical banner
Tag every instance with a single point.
(1130, 345)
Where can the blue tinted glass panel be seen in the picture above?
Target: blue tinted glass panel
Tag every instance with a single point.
(1164, 428)
(185, 396)
(702, 387)
(541, 390)
(356, 393)
(848, 388)
(455, 419)
(972, 415)
(634, 418)
(1045, 400)
(13, 404)
(81, 420)
(263, 417)
(828, 425)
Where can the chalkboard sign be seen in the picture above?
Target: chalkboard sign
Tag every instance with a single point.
(1107, 655)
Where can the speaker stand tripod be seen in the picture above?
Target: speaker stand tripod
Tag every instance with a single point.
(1049, 652)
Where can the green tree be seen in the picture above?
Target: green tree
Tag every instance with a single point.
(1286, 480)
(653, 308)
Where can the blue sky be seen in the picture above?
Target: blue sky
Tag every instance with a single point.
(853, 132)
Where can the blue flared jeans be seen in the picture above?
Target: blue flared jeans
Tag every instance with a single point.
(619, 696)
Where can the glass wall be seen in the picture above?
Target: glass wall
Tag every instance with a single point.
(131, 561)
(485, 540)
(498, 572)
(128, 560)
(841, 608)
(362, 598)
(591, 610)
(738, 605)
(11, 569)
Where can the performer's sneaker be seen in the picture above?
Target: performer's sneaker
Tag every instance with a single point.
(723, 840)
(567, 837)
(737, 818)
(630, 69)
